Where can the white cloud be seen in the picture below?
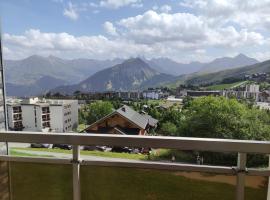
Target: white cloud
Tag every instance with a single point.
(114, 4)
(180, 36)
(155, 7)
(109, 28)
(71, 12)
(152, 27)
(247, 14)
(137, 5)
(165, 8)
(261, 56)
(184, 29)
(68, 46)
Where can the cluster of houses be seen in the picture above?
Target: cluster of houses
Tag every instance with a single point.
(51, 115)
(151, 93)
(258, 77)
(249, 91)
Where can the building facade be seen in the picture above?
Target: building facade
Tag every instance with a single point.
(15, 117)
(43, 115)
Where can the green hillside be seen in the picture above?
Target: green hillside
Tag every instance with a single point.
(217, 77)
(225, 86)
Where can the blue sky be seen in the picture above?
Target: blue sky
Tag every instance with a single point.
(187, 30)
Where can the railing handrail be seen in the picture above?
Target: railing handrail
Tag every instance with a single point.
(242, 147)
(181, 143)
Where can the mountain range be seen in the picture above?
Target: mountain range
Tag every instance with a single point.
(224, 63)
(132, 74)
(36, 74)
(31, 69)
(217, 77)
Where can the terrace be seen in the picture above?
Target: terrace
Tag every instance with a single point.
(102, 178)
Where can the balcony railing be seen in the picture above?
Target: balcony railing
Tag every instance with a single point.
(181, 143)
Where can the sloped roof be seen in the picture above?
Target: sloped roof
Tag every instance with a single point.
(141, 120)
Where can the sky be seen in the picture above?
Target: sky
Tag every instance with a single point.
(182, 30)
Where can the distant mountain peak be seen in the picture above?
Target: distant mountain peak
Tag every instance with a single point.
(224, 63)
(134, 60)
(132, 74)
(34, 57)
(241, 55)
(53, 57)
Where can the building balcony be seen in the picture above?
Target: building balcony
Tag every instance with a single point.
(17, 112)
(46, 119)
(45, 112)
(78, 176)
(17, 119)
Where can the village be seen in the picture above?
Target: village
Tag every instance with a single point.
(124, 113)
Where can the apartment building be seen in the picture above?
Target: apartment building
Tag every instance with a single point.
(154, 94)
(64, 115)
(43, 115)
(15, 117)
(253, 88)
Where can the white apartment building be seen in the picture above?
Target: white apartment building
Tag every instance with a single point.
(254, 88)
(153, 94)
(15, 117)
(40, 115)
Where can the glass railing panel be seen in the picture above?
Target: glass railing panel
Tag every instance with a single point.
(256, 186)
(41, 181)
(4, 184)
(116, 183)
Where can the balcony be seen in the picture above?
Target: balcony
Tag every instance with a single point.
(17, 118)
(17, 111)
(46, 118)
(105, 178)
(45, 110)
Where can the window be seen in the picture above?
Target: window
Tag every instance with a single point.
(46, 125)
(45, 110)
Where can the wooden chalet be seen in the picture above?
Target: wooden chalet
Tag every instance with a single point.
(125, 121)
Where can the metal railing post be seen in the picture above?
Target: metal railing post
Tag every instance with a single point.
(241, 170)
(268, 190)
(76, 172)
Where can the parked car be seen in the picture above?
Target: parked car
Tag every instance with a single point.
(122, 149)
(101, 148)
(146, 150)
(136, 151)
(39, 145)
(62, 146)
(89, 148)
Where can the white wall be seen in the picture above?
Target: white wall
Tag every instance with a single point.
(10, 116)
(28, 116)
(57, 118)
(64, 118)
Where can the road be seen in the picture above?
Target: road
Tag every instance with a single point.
(239, 84)
(83, 157)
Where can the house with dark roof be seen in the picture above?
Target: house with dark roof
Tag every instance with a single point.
(125, 121)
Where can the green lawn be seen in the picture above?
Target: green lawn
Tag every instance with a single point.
(13, 152)
(54, 182)
(89, 153)
(223, 86)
